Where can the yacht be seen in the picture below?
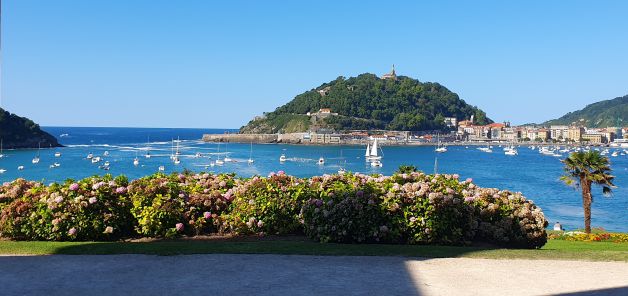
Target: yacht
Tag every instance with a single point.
(321, 161)
(2, 171)
(56, 164)
(20, 168)
(376, 163)
(106, 153)
(176, 160)
(90, 155)
(95, 159)
(57, 154)
(282, 158)
(219, 162)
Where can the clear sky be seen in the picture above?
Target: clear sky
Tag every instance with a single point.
(218, 63)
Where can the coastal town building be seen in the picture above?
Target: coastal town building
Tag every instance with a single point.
(574, 133)
(593, 138)
(451, 122)
(559, 132)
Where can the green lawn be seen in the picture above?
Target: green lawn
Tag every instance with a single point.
(554, 249)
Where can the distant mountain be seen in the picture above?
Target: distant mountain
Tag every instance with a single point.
(21, 132)
(369, 102)
(600, 114)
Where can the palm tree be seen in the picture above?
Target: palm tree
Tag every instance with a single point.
(583, 169)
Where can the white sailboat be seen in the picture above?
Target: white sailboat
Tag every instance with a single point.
(1, 152)
(373, 154)
(227, 158)
(367, 153)
(218, 160)
(176, 159)
(147, 155)
(440, 148)
(250, 161)
(36, 159)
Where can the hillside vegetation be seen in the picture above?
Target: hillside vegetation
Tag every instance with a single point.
(600, 114)
(21, 132)
(369, 102)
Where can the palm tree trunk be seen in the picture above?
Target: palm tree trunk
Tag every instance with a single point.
(586, 203)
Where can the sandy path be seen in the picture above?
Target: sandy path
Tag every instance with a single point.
(221, 274)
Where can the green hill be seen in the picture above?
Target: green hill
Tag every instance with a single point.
(21, 132)
(600, 114)
(369, 102)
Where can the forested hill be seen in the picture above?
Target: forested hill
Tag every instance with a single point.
(601, 114)
(21, 132)
(369, 102)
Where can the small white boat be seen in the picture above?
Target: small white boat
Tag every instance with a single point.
(90, 156)
(176, 160)
(342, 171)
(228, 159)
(376, 163)
(147, 155)
(162, 168)
(106, 153)
(282, 158)
(106, 163)
(136, 162)
(2, 171)
(219, 162)
(57, 154)
(615, 153)
(440, 148)
(212, 164)
(56, 164)
(20, 168)
(95, 159)
(63, 135)
(36, 158)
(511, 152)
(250, 161)
(198, 155)
(321, 161)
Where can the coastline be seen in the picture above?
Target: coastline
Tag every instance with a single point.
(349, 140)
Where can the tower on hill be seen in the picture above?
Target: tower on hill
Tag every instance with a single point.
(392, 75)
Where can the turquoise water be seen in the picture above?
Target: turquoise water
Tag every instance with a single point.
(536, 175)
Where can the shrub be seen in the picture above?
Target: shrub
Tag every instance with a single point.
(268, 205)
(410, 207)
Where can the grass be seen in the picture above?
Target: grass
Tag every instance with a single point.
(554, 249)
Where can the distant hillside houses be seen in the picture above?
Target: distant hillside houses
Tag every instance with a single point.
(468, 131)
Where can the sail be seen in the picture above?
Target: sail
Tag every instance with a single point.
(368, 150)
(374, 148)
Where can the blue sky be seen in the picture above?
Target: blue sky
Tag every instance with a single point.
(219, 63)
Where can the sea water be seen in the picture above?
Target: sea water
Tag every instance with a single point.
(533, 174)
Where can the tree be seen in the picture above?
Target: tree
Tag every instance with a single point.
(582, 169)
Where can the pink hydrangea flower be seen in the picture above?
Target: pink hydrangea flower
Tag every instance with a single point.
(281, 173)
(92, 200)
(260, 223)
(469, 180)
(58, 199)
(179, 227)
(72, 231)
(121, 190)
(74, 186)
(207, 215)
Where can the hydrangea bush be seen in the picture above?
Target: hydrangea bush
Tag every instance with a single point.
(409, 207)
